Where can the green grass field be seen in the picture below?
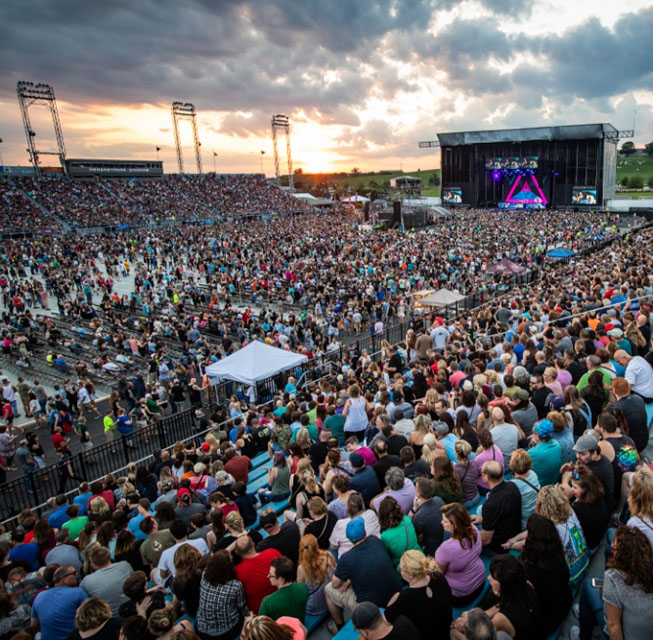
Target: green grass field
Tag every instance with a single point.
(642, 167)
(374, 181)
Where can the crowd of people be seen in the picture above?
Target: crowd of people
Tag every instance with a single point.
(84, 203)
(455, 484)
(483, 474)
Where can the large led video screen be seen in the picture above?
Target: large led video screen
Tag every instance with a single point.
(452, 195)
(583, 195)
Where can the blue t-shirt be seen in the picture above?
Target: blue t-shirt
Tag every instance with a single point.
(55, 610)
(134, 526)
(57, 519)
(28, 551)
(547, 460)
(81, 501)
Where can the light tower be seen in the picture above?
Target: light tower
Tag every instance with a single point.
(281, 122)
(43, 94)
(186, 111)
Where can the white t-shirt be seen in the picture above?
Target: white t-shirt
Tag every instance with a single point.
(339, 540)
(167, 559)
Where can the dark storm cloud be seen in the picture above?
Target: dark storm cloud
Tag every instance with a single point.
(593, 61)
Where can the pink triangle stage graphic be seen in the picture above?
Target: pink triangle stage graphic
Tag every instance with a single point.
(525, 195)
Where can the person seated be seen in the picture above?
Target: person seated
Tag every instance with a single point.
(526, 480)
(623, 605)
(397, 531)
(371, 624)
(459, 557)
(512, 603)
(589, 506)
(427, 601)
(94, 620)
(501, 513)
(365, 573)
(546, 455)
(290, 597)
(546, 568)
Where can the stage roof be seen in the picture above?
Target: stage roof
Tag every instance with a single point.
(570, 132)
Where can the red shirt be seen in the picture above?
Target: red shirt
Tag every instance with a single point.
(238, 467)
(108, 496)
(57, 440)
(253, 573)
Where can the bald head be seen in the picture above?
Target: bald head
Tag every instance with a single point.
(622, 357)
(493, 472)
(497, 415)
(244, 546)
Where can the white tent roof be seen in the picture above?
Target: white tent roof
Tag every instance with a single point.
(441, 298)
(257, 361)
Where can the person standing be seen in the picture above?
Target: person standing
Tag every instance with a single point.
(27, 463)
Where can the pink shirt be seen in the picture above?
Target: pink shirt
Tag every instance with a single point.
(465, 569)
(491, 454)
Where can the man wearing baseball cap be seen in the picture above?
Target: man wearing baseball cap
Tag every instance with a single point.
(546, 454)
(589, 453)
(365, 573)
(371, 624)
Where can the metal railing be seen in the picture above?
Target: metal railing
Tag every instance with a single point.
(35, 488)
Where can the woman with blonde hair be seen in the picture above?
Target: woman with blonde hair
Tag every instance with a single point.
(427, 601)
(303, 439)
(640, 502)
(553, 504)
(316, 569)
(416, 437)
(430, 399)
(265, 628)
(93, 620)
(87, 567)
(303, 489)
(483, 421)
(99, 510)
(166, 479)
(431, 450)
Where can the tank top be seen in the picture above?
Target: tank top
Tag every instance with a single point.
(357, 416)
(281, 484)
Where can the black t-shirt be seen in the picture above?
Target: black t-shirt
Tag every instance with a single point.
(541, 401)
(418, 469)
(396, 363)
(365, 482)
(383, 465)
(428, 525)
(402, 629)
(395, 444)
(593, 520)
(502, 514)
(552, 587)
(431, 614)
(317, 453)
(634, 410)
(110, 631)
(188, 593)
(526, 621)
(603, 470)
(322, 529)
(286, 542)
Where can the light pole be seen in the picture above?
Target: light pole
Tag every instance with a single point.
(215, 155)
(262, 154)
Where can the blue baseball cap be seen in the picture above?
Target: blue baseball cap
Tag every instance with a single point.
(355, 531)
(544, 429)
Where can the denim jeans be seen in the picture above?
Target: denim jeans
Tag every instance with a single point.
(470, 504)
(591, 611)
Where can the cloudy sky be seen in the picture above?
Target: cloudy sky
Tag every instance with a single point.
(362, 80)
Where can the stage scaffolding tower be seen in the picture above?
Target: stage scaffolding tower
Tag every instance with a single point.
(186, 111)
(30, 94)
(282, 123)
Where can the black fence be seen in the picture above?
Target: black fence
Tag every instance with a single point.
(33, 489)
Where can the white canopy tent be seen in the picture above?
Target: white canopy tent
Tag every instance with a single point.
(257, 361)
(441, 298)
